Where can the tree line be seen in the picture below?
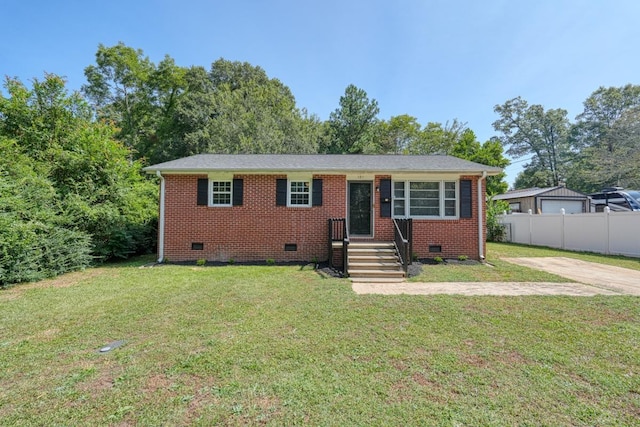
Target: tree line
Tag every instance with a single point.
(164, 111)
(601, 148)
(70, 194)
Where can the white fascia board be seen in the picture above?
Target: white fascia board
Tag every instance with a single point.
(316, 172)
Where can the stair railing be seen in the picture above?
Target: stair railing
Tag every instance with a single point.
(403, 231)
(338, 231)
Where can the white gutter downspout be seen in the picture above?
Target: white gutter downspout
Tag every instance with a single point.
(161, 220)
(480, 215)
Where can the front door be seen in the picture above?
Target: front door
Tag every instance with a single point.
(360, 208)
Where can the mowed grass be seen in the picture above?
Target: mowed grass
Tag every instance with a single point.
(274, 345)
(497, 270)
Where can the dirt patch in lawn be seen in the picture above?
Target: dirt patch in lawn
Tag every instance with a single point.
(64, 281)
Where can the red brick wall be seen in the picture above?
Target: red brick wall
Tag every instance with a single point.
(456, 237)
(259, 229)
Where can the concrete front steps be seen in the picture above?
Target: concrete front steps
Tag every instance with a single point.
(374, 262)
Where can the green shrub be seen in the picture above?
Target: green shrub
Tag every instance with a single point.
(32, 251)
(495, 230)
(37, 238)
(83, 178)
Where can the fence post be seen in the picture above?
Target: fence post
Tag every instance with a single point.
(562, 211)
(606, 213)
(530, 227)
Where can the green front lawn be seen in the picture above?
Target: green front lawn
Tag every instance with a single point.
(274, 345)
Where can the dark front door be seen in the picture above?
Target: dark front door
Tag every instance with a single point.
(360, 208)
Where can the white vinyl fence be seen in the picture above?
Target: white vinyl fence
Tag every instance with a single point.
(616, 233)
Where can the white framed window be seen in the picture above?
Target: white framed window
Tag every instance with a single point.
(425, 199)
(221, 193)
(399, 208)
(299, 193)
(450, 198)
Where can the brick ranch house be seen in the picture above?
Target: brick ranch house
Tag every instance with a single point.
(256, 207)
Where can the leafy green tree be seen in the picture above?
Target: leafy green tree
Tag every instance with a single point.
(98, 189)
(138, 96)
(118, 86)
(396, 135)
(34, 240)
(256, 114)
(602, 110)
(533, 131)
(436, 138)
(495, 230)
(490, 153)
(105, 193)
(314, 133)
(352, 125)
(621, 165)
(192, 124)
(534, 176)
(237, 108)
(608, 139)
(41, 117)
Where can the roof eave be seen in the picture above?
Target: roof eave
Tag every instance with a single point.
(194, 171)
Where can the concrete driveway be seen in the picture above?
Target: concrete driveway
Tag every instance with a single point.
(617, 279)
(590, 279)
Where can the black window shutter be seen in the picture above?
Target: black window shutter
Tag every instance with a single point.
(237, 192)
(281, 192)
(385, 198)
(203, 191)
(317, 192)
(465, 199)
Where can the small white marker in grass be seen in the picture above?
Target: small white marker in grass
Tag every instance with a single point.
(111, 346)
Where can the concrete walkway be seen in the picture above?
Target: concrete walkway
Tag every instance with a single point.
(591, 279)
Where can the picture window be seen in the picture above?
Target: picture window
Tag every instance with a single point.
(425, 199)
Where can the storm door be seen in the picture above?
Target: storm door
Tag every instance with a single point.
(360, 208)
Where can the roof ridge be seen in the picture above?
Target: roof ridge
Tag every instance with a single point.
(204, 162)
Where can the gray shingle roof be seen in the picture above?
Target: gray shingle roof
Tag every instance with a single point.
(526, 192)
(330, 163)
(558, 191)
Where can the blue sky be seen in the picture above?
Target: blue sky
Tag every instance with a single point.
(435, 60)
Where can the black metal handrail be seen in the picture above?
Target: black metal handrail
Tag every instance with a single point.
(336, 229)
(406, 228)
(338, 232)
(403, 231)
(345, 248)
